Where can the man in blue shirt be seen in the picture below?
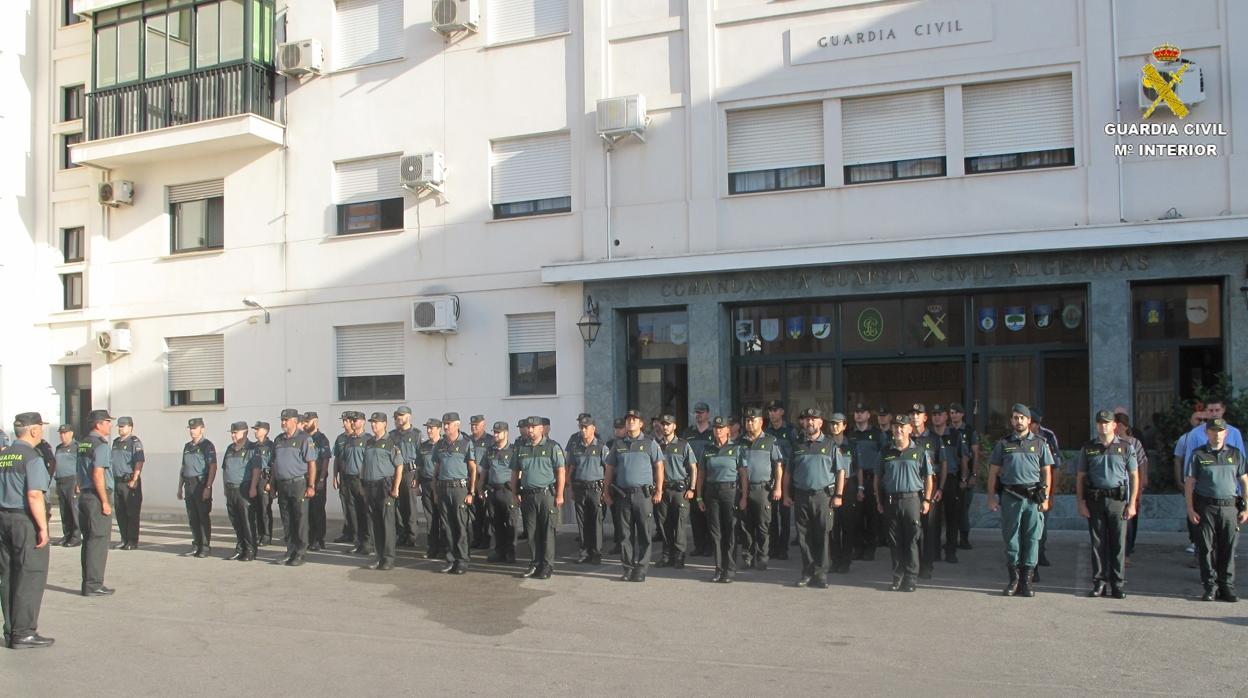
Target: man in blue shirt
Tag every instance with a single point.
(1216, 478)
(128, 459)
(1024, 464)
(236, 465)
(199, 469)
(294, 473)
(634, 473)
(95, 510)
(23, 534)
(455, 472)
(66, 474)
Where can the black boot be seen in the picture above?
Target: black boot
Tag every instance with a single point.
(1024, 582)
(1012, 586)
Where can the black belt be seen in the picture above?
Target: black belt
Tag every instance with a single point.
(228, 486)
(635, 490)
(495, 488)
(900, 496)
(1227, 502)
(122, 477)
(722, 484)
(548, 489)
(676, 485)
(807, 493)
(292, 479)
(760, 483)
(9, 510)
(590, 484)
(453, 483)
(1024, 490)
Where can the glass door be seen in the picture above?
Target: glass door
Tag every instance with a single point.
(1006, 380)
(76, 401)
(899, 384)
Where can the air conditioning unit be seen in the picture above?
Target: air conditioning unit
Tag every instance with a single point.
(423, 170)
(622, 116)
(436, 314)
(114, 341)
(1191, 89)
(299, 58)
(451, 16)
(116, 193)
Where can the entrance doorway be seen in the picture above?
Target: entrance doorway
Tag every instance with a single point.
(899, 384)
(76, 399)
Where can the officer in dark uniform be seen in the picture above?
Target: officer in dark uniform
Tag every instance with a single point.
(903, 493)
(95, 508)
(814, 484)
(128, 459)
(1050, 438)
(1022, 462)
(382, 476)
(699, 434)
(348, 462)
(764, 457)
(344, 497)
(262, 489)
(309, 422)
(1106, 487)
(679, 485)
(955, 458)
(407, 437)
(294, 472)
(66, 474)
(24, 555)
(496, 466)
(435, 541)
(841, 529)
(884, 420)
(634, 473)
(617, 527)
(478, 513)
(455, 470)
(199, 470)
(970, 446)
(866, 441)
(929, 537)
(722, 480)
(1216, 509)
(537, 482)
(237, 464)
(787, 437)
(586, 456)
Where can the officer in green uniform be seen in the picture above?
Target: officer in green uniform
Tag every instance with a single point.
(722, 479)
(955, 460)
(294, 472)
(813, 480)
(407, 437)
(613, 507)
(1021, 461)
(66, 475)
(435, 540)
(840, 529)
(1106, 488)
(787, 437)
(497, 464)
(970, 446)
(585, 458)
(344, 498)
(903, 493)
(199, 469)
(455, 472)
(537, 482)
(479, 512)
(679, 488)
(1216, 510)
(95, 510)
(699, 434)
(764, 457)
(24, 556)
(634, 473)
(348, 462)
(929, 526)
(237, 464)
(382, 476)
(865, 441)
(309, 422)
(128, 459)
(262, 490)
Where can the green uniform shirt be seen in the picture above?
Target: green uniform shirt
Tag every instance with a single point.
(1020, 459)
(127, 452)
(935, 450)
(94, 453)
(538, 462)
(498, 464)
(814, 463)
(291, 455)
(67, 459)
(866, 445)
(633, 460)
(196, 457)
(408, 441)
(902, 471)
(1216, 472)
(237, 463)
(678, 456)
(698, 440)
(264, 455)
(952, 449)
(761, 457)
(324, 452)
(480, 446)
(787, 437)
(586, 462)
(452, 458)
(22, 470)
(349, 450)
(722, 463)
(426, 458)
(381, 457)
(1107, 467)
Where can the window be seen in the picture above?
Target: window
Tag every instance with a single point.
(196, 370)
(367, 31)
(71, 291)
(370, 362)
(197, 216)
(775, 148)
(168, 43)
(219, 35)
(531, 175)
(531, 354)
(68, 139)
(516, 20)
(72, 244)
(68, 17)
(1019, 125)
(892, 137)
(369, 195)
(73, 100)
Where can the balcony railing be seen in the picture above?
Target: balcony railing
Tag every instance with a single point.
(245, 88)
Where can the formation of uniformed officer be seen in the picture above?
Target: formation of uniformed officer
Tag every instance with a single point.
(679, 485)
(1217, 508)
(496, 471)
(455, 473)
(478, 513)
(294, 476)
(128, 460)
(814, 483)
(407, 437)
(1022, 463)
(903, 493)
(238, 466)
(537, 482)
(348, 463)
(787, 437)
(841, 529)
(309, 422)
(586, 458)
(699, 434)
(953, 472)
(929, 538)
(722, 481)
(382, 478)
(262, 488)
(970, 446)
(634, 475)
(865, 442)
(436, 546)
(66, 474)
(199, 470)
(95, 510)
(1106, 490)
(24, 546)
(764, 458)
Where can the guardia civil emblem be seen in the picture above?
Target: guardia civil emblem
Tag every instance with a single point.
(795, 326)
(820, 327)
(1015, 318)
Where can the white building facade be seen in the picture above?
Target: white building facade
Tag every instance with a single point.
(835, 201)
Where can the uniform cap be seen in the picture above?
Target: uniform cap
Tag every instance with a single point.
(125, 421)
(583, 415)
(378, 417)
(701, 407)
(861, 407)
(1021, 409)
(634, 413)
(523, 422)
(402, 409)
(238, 426)
(837, 417)
(346, 416)
(618, 423)
(919, 408)
(752, 413)
(544, 421)
(476, 419)
(1105, 416)
(956, 407)
(1122, 418)
(775, 405)
(667, 419)
(260, 425)
(93, 417)
(584, 420)
(357, 415)
(938, 408)
(450, 417)
(812, 413)
(194, 422)
(719, 423)
(290, 413)
(311, 415)
(1218, 424)
(1037, 415)
(431, 422)
(306, 417)
(500, 426)
(882, 410)
(733, 420)
(903, 419)
(65, 429)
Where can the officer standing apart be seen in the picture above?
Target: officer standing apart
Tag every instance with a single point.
(1106, 487)
(262, 489)
(199, 469)
(348, 463)
(813, 479)
(679, 485)
(498, 462)
(407, 438)
(455, 471)
(537, 481)
(903, 493)
(309, 422)
(23, 534)
(383, 477)
(842, 536)
(1022, 462)
(128, 459)
(764, 457)
(94, 508)
(722, 480)
(294, 469)
(634, 473)
(237, 464)
(1215, 509)
(66, 474)
(586, 456)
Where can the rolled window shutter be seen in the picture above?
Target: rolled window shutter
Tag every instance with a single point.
(367, 180)
(775, 137)
(512, 20)
(530, 333)
(888, 128)
(370, 350)
(367, 31)
(196, 191)
(196, 363)
(531, 168)
(1018, 116)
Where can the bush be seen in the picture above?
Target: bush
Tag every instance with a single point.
(1172, 424)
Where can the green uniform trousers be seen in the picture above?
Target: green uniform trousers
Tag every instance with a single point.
(1216, 535)
(23, 573)
(1109, 538)
(1021, 526)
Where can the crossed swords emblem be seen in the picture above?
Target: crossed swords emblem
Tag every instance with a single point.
(1165, 90)
(932, 320)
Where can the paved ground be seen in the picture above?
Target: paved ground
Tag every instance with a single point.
(192, 627)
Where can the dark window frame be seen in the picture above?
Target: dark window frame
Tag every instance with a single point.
(734, 188)
(895, 164)
(80, 246)
(515, 388)
(68, 17)
(68, 139)
(209, 219)
(389, 216)
(537, 207)
(359, 388)
(972, 164)
(182, 398)
(68, 301)
(73, 102)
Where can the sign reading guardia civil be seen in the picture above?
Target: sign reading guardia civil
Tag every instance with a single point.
(870, 33)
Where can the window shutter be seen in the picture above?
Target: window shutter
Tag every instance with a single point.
(370, 350)
(532, 168)
(511, 20)
(893, 127)
(1019, 116)
(530, 333)
(367, 31)
(196, 191)
(197, 363)
(775, 137)
(370, 179)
